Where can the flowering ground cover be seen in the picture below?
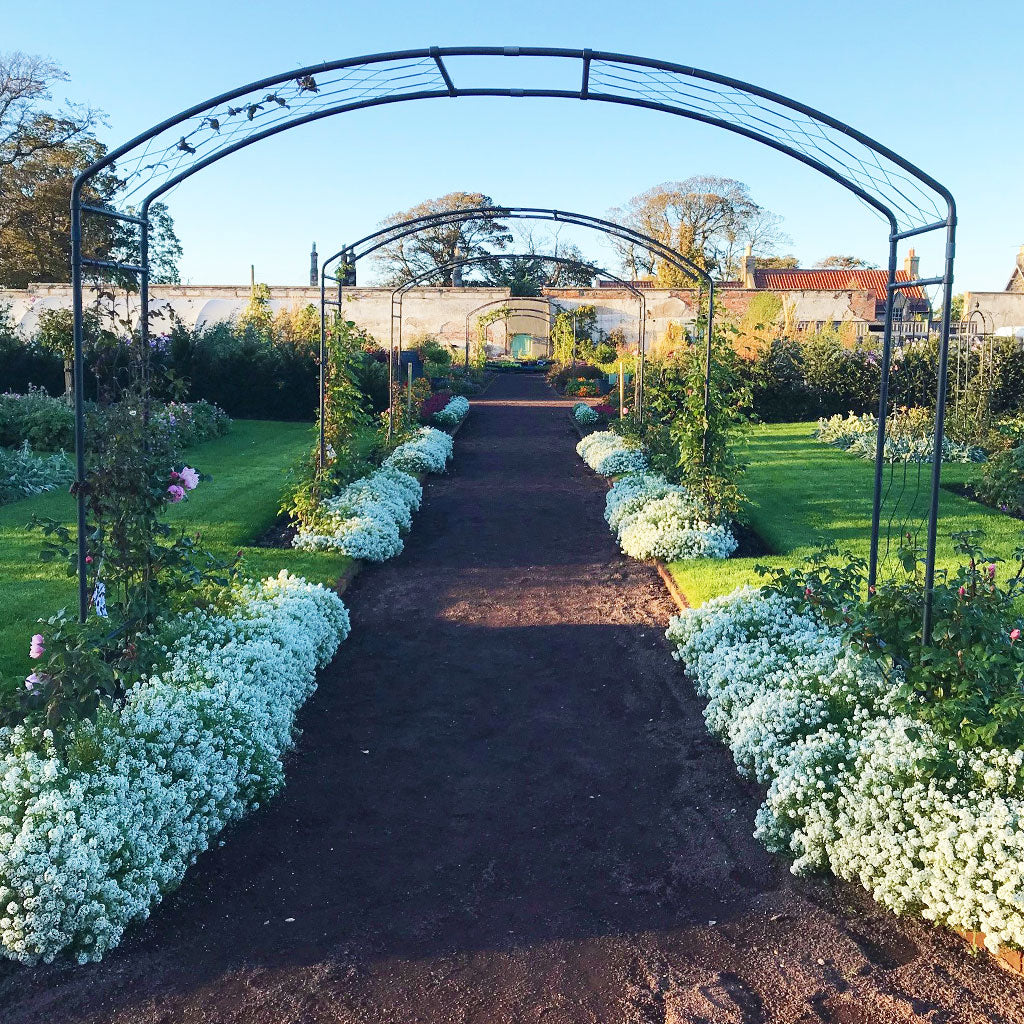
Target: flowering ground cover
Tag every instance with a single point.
(651, 517)
(857, 783)
(248, 467)
(802, 493)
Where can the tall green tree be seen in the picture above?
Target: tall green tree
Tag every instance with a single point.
(43, 147)
(433, 248)
(706, 219)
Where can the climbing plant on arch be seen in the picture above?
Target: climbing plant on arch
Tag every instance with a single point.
(909, 200)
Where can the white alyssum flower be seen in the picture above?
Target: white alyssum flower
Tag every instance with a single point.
(854, 787)
(453, 413)
(607, 453)
(367, 518)
(669, 528)
(427, 452)
(94, 835)
(583, 414)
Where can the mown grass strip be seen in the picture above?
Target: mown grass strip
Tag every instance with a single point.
(249, 467)
(803, 493)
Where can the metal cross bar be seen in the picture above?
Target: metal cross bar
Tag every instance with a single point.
(104, 212)
(108, 265)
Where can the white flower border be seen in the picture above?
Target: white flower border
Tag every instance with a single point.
(584, 414)
(453, 413)
(852, 786)
(651, 517)
(92, 839)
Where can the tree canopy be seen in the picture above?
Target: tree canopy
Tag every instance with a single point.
(706, 219)
(431, 250)
(42, 148)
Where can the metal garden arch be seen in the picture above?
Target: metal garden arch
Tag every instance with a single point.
(911, 201)
(349, 256)
(398, 294)
(525, 313)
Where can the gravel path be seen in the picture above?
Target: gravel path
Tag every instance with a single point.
(505, 808)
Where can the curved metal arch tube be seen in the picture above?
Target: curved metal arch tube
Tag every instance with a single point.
(504, 301)
(376, 240)
(585, 92)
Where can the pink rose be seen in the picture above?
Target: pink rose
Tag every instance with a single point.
(991, 572)
(37, 647)
(175, 493)
(1014, 635)
(189, 477)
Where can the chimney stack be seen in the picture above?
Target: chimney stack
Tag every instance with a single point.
(457, 271)
(314, 267)
(912, 265)
(749, 265)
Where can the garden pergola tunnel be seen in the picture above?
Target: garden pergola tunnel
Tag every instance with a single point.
(348, 256)
(524, 313)
(909, 200)
(398, 294)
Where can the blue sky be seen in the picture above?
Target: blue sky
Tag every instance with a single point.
(938, 83)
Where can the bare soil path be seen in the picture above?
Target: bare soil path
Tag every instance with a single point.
(505, 808)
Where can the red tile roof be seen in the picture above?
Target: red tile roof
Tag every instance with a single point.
(835, 280)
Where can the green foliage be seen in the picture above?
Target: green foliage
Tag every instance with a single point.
(24, 472)
(435, 354)
(257, 315)
(688, 445)
(44, 423)
(561, 374)
(353, 436)
(572, 333)
(140, 570)
(246, 373)
(1002, 481)
(967, 682)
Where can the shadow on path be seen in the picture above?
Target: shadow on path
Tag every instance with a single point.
(504, 807)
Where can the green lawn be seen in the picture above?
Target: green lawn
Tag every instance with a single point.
(802, 493)
(249, 468)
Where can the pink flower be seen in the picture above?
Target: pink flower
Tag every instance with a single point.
(808, 591)
(37, 647)
(31, 681)
(962, 591)
(991, 572)
(189, 477)
(1014, 635)
(175, 493)
(88, 559)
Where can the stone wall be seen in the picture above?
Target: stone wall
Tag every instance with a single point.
(996, 309)
(443, 312)
(438, 311)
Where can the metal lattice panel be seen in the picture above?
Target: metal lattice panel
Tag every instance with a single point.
(183, 144)
(911, 200)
